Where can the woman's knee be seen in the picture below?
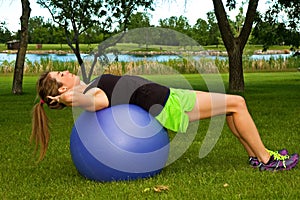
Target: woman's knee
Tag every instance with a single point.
(237, 102)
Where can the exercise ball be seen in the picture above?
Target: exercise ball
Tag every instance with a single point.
(122, 142)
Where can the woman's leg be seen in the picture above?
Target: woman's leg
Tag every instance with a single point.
(239, 120)
(233, 129)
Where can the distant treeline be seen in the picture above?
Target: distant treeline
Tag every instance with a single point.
(204, 32)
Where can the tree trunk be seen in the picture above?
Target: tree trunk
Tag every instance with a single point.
(235, 46)
(76, 51)
(236, 75)
(19, 66)
(82, 67)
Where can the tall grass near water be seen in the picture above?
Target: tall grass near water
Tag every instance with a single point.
(45, 64)
(181, 65)
(272, 64)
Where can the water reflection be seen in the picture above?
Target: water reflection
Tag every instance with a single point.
(125, 57)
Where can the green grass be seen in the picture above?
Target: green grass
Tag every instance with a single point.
(55, 47)
(86, 48)
(273, 100)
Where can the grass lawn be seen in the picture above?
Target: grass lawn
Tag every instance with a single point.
(273, 100)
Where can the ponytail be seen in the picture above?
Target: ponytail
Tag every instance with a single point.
(40, 130)
(40, 135)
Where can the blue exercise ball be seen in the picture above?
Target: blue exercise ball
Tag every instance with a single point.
(122, 142)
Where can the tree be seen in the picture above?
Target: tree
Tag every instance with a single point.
(270, 34)
(200, 32)
(235, 44)
(37, 31)
(239, 21)
(58, 36)
(78, 16)
(138, 20)
(213, 30)
(291, 8)
(284, 14)
(5, 34)
(179, 24)
(92, 35)
(19, 66)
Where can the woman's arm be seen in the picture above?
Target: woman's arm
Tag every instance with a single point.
(93, 100)
(97, 100)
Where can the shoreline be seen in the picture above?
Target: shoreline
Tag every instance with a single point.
(207, 52)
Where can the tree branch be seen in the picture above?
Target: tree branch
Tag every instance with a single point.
(250, 16)
(223, 24)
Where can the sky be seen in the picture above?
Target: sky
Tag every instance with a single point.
(11, 10)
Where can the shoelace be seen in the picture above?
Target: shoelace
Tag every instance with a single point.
(278, 157)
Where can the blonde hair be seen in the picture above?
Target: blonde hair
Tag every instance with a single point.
(46, 86)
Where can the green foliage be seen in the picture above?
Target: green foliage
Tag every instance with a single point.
(179, 24)
(213, 32)
(5, 34)
(290, 8)
(280, 22)
(139, 20)
(273, 100)
(76, 17)
(199, 32)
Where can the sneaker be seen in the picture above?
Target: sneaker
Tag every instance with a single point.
(279, 163)
(254, 162)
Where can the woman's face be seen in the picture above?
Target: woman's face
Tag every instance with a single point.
(68, 79)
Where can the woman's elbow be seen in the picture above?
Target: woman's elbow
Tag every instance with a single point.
(94, 108)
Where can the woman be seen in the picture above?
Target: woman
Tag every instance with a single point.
(173, 108)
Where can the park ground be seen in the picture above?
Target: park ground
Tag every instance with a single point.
(273, 101)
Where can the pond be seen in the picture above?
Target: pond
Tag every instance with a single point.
(125, 57)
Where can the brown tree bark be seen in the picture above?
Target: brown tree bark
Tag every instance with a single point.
(17, 87)
(235, 45)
